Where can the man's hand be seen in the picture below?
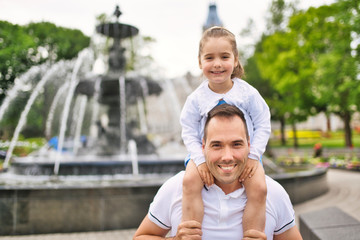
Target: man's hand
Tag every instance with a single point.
(205, 174)
(253, 234)
(189, 230)
(249, 170)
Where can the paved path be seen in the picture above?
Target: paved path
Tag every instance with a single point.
(344, 193)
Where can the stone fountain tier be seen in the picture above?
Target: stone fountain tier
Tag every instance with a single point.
(94, 166)
(134, 89)
(117, 30)
(109, 88)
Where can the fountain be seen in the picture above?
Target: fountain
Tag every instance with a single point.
(101, 178)
(115, 93)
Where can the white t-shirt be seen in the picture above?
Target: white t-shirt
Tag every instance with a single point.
(222, 213)
(241, 95)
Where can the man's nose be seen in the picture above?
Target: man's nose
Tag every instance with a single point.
(227, 153)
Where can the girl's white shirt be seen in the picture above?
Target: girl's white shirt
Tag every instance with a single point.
(242, 95)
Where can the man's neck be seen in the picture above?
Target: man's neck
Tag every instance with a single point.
(228, 187)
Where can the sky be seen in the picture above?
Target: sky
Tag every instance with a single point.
(176, 25)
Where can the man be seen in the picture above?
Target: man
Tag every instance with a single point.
(226, 147)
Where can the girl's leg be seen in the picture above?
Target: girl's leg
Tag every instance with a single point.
(256, 191)
(192, 203)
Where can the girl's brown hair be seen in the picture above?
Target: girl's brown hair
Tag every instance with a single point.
(218, 32)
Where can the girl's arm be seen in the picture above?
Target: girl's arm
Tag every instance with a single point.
(260, 115)
(190, 120)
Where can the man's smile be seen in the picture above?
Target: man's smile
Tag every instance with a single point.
(227, 167)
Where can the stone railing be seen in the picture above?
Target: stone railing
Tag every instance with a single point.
(329, 224)
(303, 185)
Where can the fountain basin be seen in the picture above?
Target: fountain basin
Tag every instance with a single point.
(303, 185)
(96, 165)
(49, 204)
(65, 206)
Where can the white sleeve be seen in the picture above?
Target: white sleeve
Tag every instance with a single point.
(279, 202)
(190, 120)
(160, 208)
(260, 115)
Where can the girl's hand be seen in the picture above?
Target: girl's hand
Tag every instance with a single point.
(253, 234)
(205, 174)
(189, 230)
(249, 170)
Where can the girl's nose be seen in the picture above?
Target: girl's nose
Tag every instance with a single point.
(217, 62)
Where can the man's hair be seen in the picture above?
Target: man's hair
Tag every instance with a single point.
(226, 111)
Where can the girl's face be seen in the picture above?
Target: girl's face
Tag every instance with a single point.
(217, 61)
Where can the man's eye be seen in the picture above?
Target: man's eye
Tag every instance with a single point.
(238, 144)
(215, 145)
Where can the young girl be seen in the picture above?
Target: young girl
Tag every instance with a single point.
(219, 61)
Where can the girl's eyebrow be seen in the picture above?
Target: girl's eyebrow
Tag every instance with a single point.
(207, 54)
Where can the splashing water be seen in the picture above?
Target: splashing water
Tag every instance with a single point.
(53, 106)
(73, 83)
(122, 114)
(25, 112)
(21, 84)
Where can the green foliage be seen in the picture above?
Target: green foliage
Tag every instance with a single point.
(59, 42)
(312, 66)
(24, 46)
(15, 45)
(24, 146)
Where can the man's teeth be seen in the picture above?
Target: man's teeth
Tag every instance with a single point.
(227, 167)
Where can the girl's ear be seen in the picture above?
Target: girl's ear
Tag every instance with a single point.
(236, 62)
(200, 66)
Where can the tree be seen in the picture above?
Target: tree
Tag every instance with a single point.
(266, 83)
(313, 65)
(266, 89)
(24, 46)
(325, 34)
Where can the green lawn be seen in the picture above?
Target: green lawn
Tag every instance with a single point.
(335, 140)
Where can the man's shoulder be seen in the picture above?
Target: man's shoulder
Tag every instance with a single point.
(176, 180)
(275, 188)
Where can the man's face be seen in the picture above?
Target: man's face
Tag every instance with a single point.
(226, 150)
